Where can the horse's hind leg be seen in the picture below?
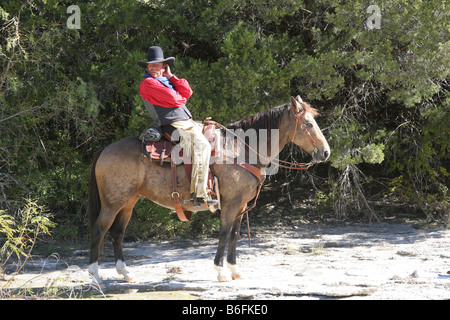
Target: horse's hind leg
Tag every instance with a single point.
(98, 231)
(117, 232)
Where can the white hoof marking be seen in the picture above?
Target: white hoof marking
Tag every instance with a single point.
(121, 268)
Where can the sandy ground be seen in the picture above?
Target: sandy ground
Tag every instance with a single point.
(311, 261)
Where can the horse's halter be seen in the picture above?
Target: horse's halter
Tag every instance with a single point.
(298, 118)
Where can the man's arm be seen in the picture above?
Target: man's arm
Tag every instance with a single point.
(181, 85)
(156, 93)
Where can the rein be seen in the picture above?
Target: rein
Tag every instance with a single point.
(281, 163)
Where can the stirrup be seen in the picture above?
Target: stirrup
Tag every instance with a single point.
(198, 201)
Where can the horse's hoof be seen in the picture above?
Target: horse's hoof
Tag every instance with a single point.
(128, 279)
(222, 278)
(98, 284)
(236, 276)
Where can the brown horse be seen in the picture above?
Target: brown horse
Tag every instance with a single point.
(119, 175)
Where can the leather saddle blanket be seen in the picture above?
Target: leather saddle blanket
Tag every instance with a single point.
(159, 150)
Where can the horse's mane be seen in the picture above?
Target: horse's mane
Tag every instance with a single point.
(267, 119)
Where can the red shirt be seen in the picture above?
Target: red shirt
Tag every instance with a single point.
(158, 94)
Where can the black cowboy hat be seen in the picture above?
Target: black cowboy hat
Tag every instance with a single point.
(155, 55)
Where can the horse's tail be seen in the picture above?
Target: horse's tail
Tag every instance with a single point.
(94, 204)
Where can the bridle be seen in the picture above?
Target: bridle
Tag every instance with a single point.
(299, 166)
(298, 118)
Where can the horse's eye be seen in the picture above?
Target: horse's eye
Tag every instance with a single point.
(309, 125)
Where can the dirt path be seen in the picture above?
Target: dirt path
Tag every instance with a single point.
(359, 261)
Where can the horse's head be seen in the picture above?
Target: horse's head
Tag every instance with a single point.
(305, 131)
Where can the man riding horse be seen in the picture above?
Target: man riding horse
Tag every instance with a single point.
(120, 175)
(165, 97)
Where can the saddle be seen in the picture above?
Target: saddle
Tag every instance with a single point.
(158, 145)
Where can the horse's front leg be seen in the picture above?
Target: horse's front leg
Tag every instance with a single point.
(224, 235)
(228, 234)
(232, 243)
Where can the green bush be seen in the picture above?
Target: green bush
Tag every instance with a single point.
(20, 230)
(382, 93)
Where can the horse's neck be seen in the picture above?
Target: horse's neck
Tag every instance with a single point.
(270, 142)
(278, 138)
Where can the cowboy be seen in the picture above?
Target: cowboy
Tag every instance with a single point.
(165, 97)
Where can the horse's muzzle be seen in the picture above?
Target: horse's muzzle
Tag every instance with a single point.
(321, 155)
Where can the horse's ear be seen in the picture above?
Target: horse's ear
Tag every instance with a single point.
(298, 98)
(296, 105)
(293, 102)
